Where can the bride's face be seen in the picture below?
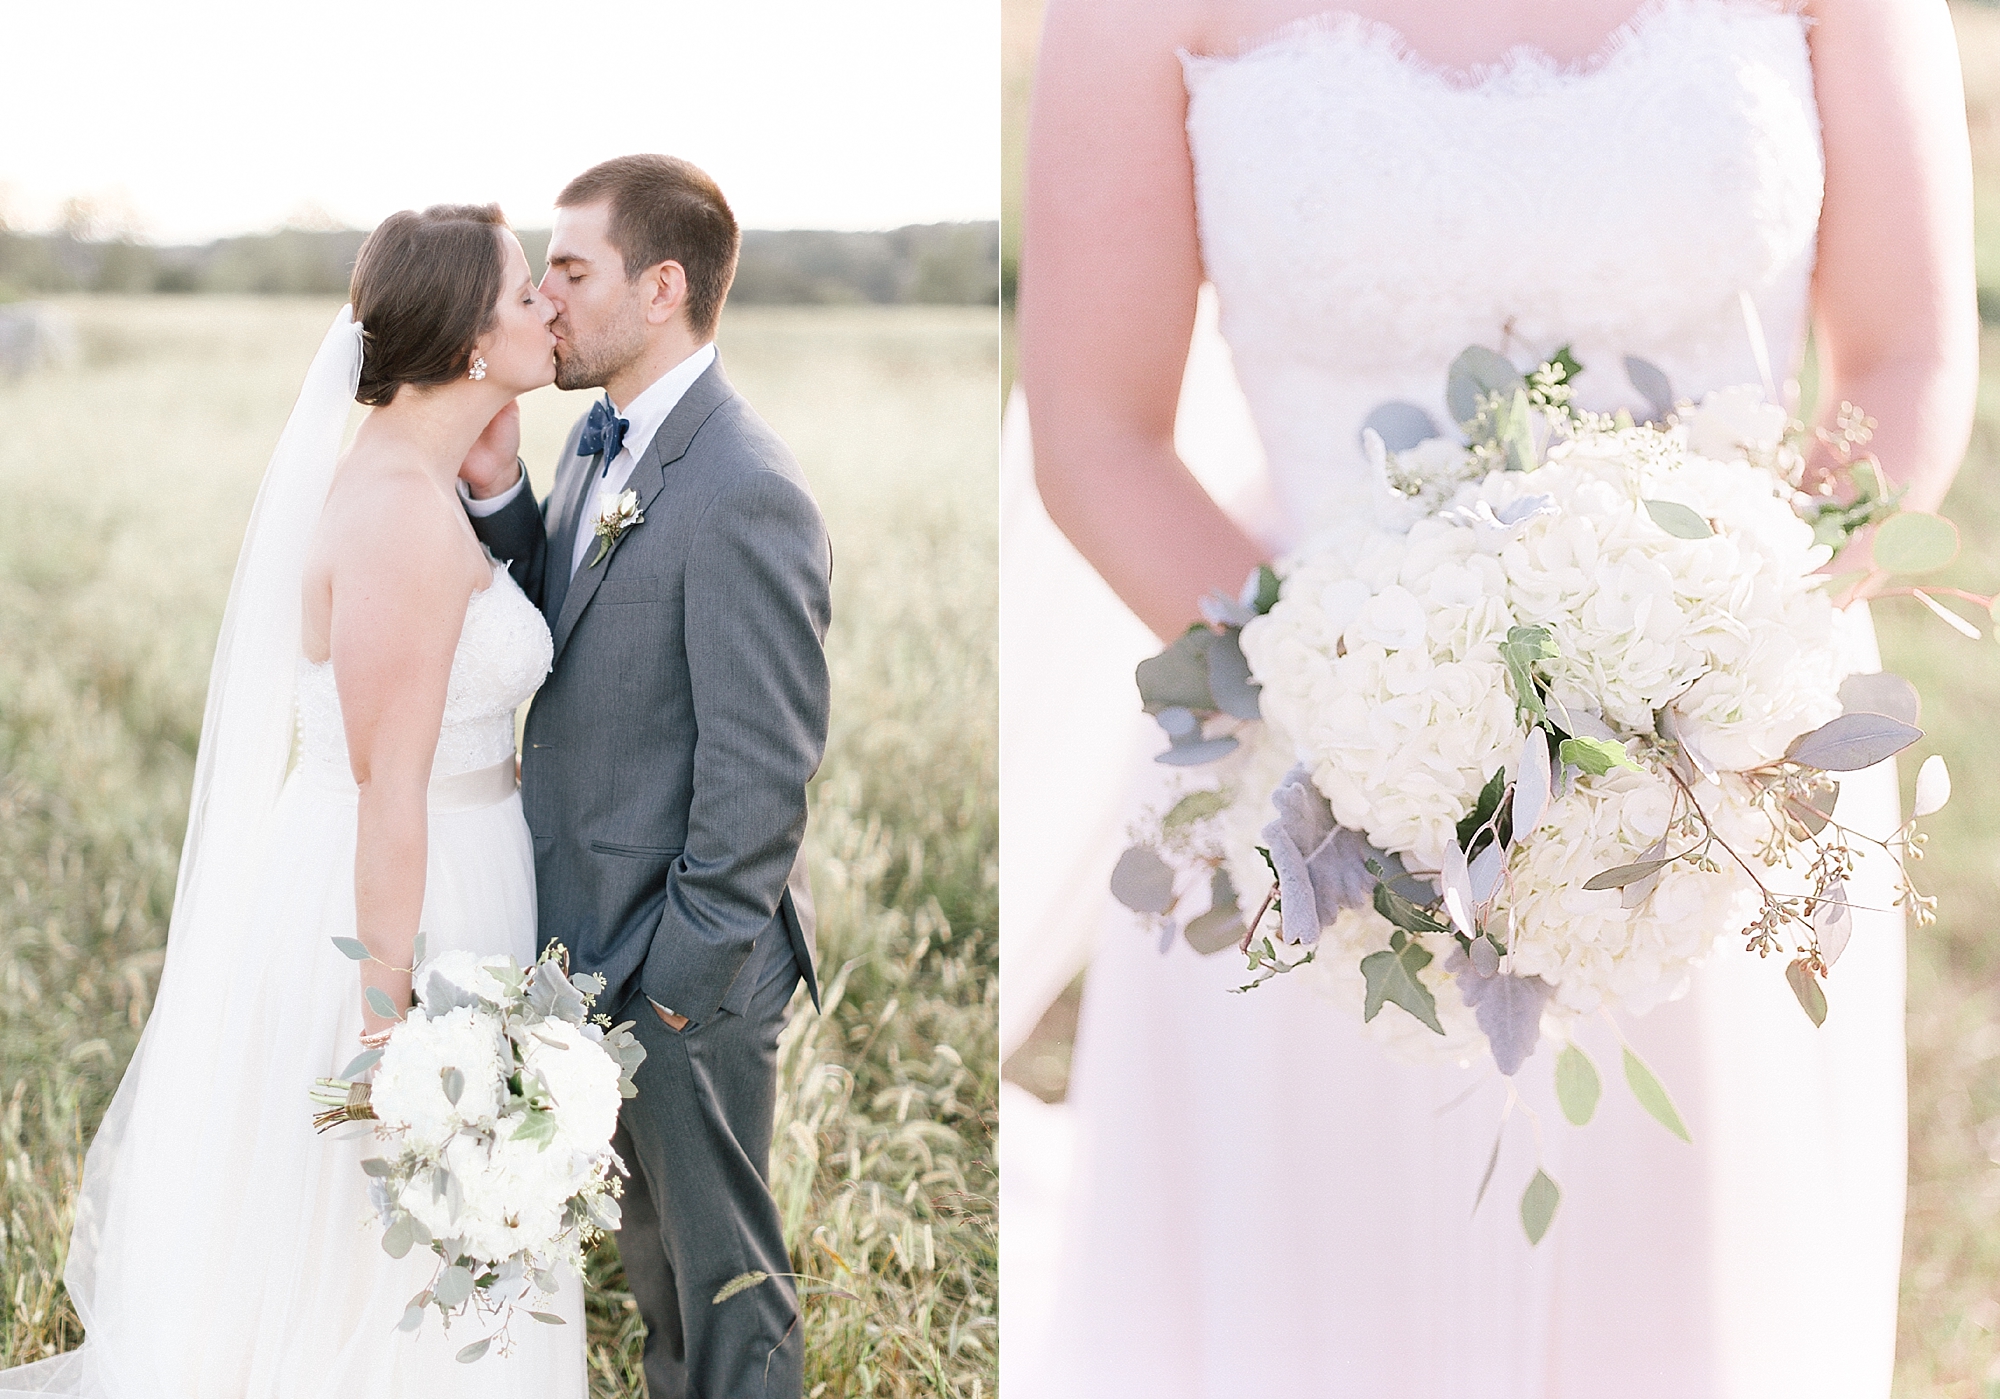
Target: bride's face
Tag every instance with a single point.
(520, 349)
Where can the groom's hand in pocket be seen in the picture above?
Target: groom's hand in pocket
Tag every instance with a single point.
(676, 1023)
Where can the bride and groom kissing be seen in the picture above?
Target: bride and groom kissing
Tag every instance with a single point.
(674, 653)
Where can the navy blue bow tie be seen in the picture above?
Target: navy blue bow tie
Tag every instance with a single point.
(603, 432)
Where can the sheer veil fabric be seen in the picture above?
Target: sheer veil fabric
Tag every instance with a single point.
(221, 1249)
(1247, 1194)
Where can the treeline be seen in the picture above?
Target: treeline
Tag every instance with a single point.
(952, 264)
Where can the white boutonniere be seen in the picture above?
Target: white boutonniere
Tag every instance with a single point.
(615, 515)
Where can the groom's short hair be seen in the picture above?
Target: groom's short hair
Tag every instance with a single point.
(666, 210)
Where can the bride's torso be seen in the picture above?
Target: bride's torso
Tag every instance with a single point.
(1365, 216)
(502, 655)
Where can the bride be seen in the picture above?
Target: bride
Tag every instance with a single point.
(222, 1250)
(1259, 1200)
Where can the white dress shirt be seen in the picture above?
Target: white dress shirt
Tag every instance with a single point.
(643, 417)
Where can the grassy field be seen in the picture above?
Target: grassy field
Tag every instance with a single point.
(1949, 1341)
(127, 479)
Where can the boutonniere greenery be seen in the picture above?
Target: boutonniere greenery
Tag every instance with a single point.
(615, 515)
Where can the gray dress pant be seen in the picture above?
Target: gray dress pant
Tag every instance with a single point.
(698, 1209)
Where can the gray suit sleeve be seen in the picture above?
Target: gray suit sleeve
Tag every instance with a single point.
(757, 605)
(517, 534)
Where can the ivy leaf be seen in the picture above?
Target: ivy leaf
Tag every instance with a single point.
(1679, 521)
(742, 1282)
(1652, 1096)
(1577, 1085)
(1519, 652)
(1812, 999)
(1392, 976)
(1596, 756)
(536, 1126)
(1538, 1206)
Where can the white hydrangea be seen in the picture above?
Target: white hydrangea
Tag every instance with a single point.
(581, 1077)
(408, 1093)
(509, 1195)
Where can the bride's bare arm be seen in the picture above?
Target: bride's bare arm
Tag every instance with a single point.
(398, 607)
(1109, 272)
(1894, 300)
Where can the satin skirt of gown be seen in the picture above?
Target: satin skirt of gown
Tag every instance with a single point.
(1246, 1194)
(238, 1256)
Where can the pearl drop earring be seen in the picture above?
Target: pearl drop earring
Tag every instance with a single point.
(478, 370)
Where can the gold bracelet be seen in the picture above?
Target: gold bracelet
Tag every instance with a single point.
(378, 1039)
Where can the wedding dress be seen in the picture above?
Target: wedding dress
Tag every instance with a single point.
(1247, 1195)
(223, 1249)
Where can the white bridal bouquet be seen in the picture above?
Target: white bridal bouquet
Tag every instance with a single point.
(1571, 711)
(494, 1102)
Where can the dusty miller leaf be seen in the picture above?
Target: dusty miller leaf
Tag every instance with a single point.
(1508, 1008)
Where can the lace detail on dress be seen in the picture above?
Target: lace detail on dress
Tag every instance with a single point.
(1364, 215)
(504, 651)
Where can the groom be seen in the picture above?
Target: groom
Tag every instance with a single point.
(665, 761)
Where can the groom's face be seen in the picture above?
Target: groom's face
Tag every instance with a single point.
(600, 324)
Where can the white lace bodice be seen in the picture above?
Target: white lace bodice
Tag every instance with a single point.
(503, 653)
(1364, 217)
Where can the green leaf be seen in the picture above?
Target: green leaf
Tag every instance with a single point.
(375, 1166)
(1523, 647)
(474, 1351)
(536, 1126)
(1679, 521)
(353, 948)
(1404, 914)
(1812, 997)
(1392, 976)
(1538, 1206)
(1577, 1085)
(548, 1318)
(1914, 541)
(454, 1285)
(379, 1002)
(1476, 373)
(1195, 806)
(1596, 756)
(1268, 587)
(413, 1318)
(1491, 1161)
(742, 1282)
(362, 1063)
(1222, 925)
(417, 951)
(1652, 1096)
(1482, 810)
(1142, 881)
(454, 1085)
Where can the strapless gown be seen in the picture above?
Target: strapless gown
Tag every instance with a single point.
(1246, 1195)
(223, 1250)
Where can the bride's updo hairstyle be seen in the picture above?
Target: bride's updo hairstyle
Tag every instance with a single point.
(424, 289)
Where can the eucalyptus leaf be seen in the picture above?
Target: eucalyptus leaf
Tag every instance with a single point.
(362, 1063)
(1142, 881)
(1652, 1095)
(1851, 742)
(453, 1286)
(379, 1002)
(1833, 923)
(1222, 925)
(1620, 875)
(353, 948)
(1813, 816)
(453, 1084)
(413, 1318)
(1193, 750)
(375, 1166)
(1538, 1206)
(1401, 426)
(1392, 976)
(1178, 676)
(1812, 998)
(548, 1318)
(1531, 783)
(417, 951)
(1492, 1160)
(474, 1351)
(1404, 913)
(1194, 807)
(1913, 541)
(1476, 373)
(398, 1237)
(1653, 385)
(1577, 1085)
(1679, 521)
(742, 1282)
(1229, 678)
(1933, 787)
(1881, 692)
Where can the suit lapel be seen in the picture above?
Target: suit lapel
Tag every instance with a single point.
(562, 538)
(648, 479)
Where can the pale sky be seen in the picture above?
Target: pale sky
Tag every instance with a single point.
(211, 117)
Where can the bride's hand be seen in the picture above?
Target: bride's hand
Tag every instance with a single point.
(493, 464)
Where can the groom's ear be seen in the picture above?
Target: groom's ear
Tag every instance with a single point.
(663, 292)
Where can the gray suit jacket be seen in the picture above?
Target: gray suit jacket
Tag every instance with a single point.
(665, 760)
